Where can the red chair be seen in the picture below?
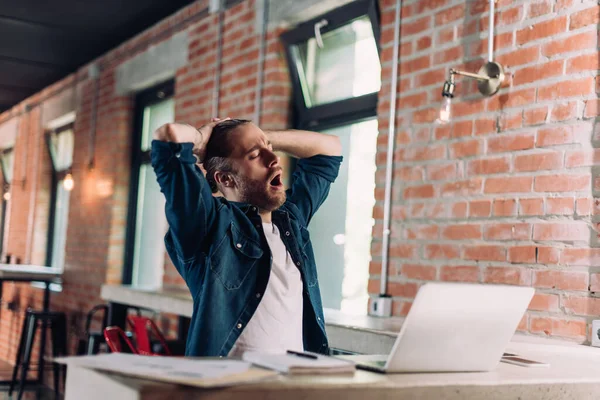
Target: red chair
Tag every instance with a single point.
(144, 328)
(114, 337)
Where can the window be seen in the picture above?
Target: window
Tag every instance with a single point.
(147, 224)
(336, 75)
(60, 146)
(6, 162)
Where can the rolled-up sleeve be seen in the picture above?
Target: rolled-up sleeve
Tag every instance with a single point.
(311, 182)
(190, 206)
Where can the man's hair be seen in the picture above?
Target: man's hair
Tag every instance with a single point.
(218, 150)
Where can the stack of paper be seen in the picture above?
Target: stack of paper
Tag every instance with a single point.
(294, 364)
(185, 371)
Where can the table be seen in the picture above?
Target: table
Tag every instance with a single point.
(574, 373)
(32, 273)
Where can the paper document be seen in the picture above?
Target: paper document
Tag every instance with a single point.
(185, 371)
(292, 364)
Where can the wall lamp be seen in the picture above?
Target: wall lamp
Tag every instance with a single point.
(490, 76)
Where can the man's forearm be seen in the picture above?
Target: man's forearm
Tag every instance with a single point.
(304, 144)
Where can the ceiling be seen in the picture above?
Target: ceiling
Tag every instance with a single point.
(44, 41)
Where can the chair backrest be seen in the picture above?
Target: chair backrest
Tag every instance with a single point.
(90, 316)
(143, 328)
(114, 337)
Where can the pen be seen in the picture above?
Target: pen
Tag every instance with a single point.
(301, 354)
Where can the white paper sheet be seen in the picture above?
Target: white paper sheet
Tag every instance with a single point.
(170, 369)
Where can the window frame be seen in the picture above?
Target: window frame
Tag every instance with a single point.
(143, 99)
(6, 188)
(57, 176)
(338, 113)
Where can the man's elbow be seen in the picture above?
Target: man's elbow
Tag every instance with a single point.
(162, 133)
(336, 146)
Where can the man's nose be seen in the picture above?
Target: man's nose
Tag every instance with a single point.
(273, 159)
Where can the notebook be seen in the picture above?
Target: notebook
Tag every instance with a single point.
(295, 364)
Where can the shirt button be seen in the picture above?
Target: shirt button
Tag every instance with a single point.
(253, 208)
(258, 295)
(239, 326)
(318, 318)
(324, 344)
(298, 263)
(287, 233)
(178, 155)
(239, 245)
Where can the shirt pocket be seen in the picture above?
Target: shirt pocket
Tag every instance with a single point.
(234, 257)
(310, 269)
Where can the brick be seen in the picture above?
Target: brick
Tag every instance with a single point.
(570, 88)
(562, 183)
(581, 158)
(423, 43)
(489, 166)
(584, 62)
(400, 289)
(572, 43)
(544, 302)
(522, 254)
(480, 208)
(400, 308)
(459, 273)
(462, 128)
(560, 206)
(518, 57)
(555, 135)
(423, 191)
(531, 206)
(579, 305)
(539, 161)
(422, 272)
(484, 253)
(595, 282)
(542, 30)
(520, 184)
(567, 231)
(422, 232)
(462, 188)
(461, 232)
(504, 208)
(510, 142)
(506, 275)
(518, 98)
(592, 108)
(507, 231)
(583, 206)
(538, 72)
(564, 111)
(580, 257)
(510, 121)
(561, 280)
(402, 250)
(415, 27)
(441, 251)
(589, 16)
(572, 329)
(441, 172)
(465, 149)
(483, 126)
(535, 116)
(548, 255)
(538, 9)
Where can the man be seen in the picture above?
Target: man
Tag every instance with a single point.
(246, 256)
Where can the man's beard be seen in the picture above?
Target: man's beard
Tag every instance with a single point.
(257, 193)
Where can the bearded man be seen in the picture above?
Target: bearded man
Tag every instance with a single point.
(246, 256)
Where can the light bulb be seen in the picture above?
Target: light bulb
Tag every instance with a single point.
(68, 182)
(6, 196)
(445, 111)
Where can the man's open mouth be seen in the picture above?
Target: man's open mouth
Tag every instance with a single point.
(276, 180)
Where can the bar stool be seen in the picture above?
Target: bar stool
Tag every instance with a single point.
(57, 322)
(93, 339)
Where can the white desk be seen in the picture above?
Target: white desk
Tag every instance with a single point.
(574, 374)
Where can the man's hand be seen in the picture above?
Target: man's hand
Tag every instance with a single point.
(184, 133)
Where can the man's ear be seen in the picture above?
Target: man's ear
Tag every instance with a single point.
(224, 178)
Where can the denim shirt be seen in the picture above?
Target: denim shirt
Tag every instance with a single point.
(221, 252)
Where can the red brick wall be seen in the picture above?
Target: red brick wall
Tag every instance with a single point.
(505, 193)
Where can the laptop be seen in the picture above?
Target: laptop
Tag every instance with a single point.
(454, 327)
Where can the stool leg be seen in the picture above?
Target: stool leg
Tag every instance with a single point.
(31, 328)
(19, 356)
(59, 336)
(91, 347)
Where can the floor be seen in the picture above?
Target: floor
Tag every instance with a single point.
(6, 374)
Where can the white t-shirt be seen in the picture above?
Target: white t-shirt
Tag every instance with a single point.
(276, 325)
